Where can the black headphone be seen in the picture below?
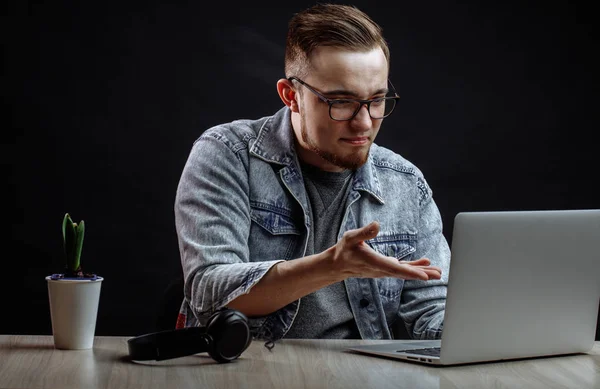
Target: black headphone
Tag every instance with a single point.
(225, 338)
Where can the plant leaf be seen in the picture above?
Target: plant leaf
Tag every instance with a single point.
(64, 228)
(70, 237)
(78, 245)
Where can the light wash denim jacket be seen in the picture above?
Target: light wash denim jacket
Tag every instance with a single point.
(241, 207)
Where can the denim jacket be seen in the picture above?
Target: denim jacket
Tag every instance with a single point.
(241, 207)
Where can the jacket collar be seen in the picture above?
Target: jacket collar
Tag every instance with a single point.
(275, 140)
(275, 143)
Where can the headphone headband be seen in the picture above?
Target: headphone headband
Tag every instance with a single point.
(169, 344)
(225, 337)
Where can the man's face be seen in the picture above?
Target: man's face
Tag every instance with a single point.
(336, 145)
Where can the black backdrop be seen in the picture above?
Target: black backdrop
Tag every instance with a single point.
(104, 101)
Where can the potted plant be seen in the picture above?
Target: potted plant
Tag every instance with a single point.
(74, 295)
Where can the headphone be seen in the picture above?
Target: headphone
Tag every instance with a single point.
(225, 337)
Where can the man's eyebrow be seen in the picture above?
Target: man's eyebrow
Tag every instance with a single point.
(344, 92)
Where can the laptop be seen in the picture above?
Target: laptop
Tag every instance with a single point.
(521, 284)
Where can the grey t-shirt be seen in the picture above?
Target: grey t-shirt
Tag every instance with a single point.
(325, 313)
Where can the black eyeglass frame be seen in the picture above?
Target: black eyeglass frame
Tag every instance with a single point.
(330, 102)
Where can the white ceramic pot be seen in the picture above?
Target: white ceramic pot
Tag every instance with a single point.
(73, 310)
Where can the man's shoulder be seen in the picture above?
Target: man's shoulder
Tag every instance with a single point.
(235, 132)
(394, 169)
(384, 158)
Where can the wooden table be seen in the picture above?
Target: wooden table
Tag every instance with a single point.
(28, 361)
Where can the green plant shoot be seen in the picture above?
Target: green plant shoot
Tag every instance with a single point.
(73, 242)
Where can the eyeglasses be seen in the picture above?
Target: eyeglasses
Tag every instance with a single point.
(346, 109)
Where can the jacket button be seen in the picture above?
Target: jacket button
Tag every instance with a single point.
(364, 303)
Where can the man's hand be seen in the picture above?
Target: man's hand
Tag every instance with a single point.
(352, 257)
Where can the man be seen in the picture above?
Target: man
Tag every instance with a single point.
(299, 220)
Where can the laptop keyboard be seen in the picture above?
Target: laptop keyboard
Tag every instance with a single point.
(430, 351)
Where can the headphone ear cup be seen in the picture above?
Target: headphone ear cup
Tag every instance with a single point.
(230, 335)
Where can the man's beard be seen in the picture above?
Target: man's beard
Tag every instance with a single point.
(351, 162)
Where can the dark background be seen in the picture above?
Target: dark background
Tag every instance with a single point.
(104, 100)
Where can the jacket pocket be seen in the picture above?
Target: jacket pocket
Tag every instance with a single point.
(276, 223)
(273, 234)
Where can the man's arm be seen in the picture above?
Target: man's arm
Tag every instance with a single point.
(288, 281)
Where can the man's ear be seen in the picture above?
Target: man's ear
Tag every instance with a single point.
(287, 94)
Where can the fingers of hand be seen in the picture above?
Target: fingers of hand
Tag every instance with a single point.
(373, 264)
(413, 270)
(361, 234)
(412, 273)
(434, 273)
(422, 272)
(419, 262)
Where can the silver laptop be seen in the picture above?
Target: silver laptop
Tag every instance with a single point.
(521, 284)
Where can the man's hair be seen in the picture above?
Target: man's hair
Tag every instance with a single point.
(342, 26)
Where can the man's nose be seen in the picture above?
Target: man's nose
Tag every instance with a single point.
(362, 120)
